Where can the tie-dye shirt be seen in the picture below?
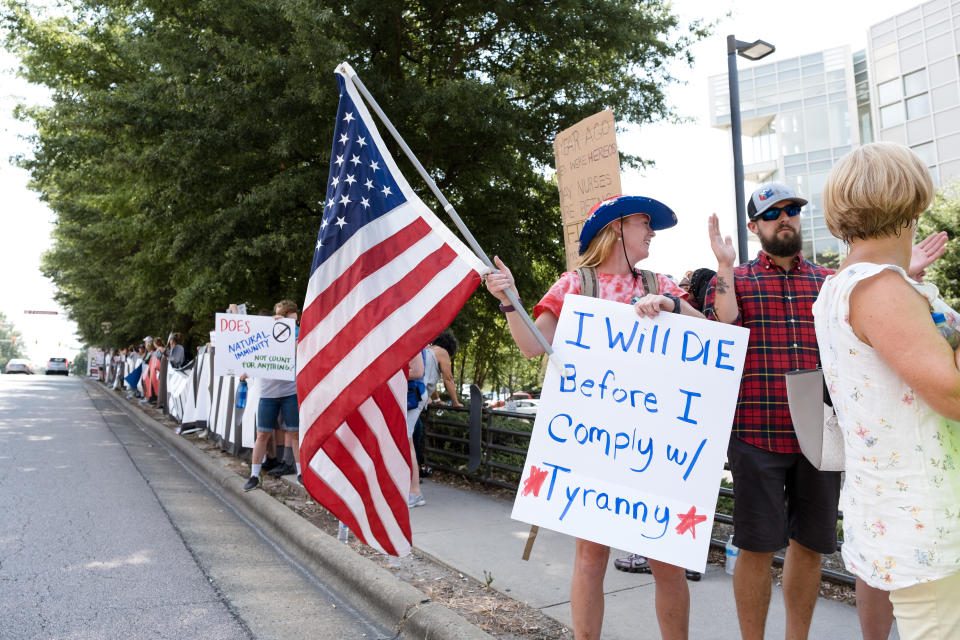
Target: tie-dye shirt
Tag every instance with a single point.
(616, 287)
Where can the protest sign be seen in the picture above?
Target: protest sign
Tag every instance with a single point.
(258, 346)
(588, 171)
(631, 434)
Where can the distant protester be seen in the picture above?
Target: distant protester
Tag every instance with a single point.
(175, 354)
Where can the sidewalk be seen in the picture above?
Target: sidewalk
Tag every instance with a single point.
(473, 533)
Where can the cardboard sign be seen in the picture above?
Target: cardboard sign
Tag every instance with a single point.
(588, 171)
(259, 346)
(630, 438)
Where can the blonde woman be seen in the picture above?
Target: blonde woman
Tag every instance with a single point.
(614, 238)
(895, 385)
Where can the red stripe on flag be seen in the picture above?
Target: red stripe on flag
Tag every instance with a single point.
(347, 464)
(371, 315)
(356, 391)
(373, 259)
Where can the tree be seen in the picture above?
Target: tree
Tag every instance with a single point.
(186, 149)
(11, 345)
(944, 215)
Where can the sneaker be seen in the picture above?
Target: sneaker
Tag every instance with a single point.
(282, 469)
(416, 501)
(271, 463)
(300, 479)
(426, 471)
(252, 483)
(633, 563)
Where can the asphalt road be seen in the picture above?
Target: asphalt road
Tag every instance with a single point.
(105, 534)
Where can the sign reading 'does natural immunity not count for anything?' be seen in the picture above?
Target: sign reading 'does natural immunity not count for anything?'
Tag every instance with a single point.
(629, 441)
(258, 346)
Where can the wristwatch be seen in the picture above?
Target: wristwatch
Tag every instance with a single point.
(676, 301)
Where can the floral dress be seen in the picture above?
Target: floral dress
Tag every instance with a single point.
(616, 287)
(901, 491)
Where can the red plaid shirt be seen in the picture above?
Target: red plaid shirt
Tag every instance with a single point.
(776, 306)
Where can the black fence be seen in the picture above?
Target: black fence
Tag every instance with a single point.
(492, 446)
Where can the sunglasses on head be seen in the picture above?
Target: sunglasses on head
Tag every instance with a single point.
(774, 213)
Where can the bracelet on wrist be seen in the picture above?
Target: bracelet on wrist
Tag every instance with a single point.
(507, 308)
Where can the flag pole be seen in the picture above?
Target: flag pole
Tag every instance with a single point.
(514, 300)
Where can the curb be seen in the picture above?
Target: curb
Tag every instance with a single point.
(356, 577)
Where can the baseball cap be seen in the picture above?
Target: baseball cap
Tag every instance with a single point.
(606, 211)
(768, 195)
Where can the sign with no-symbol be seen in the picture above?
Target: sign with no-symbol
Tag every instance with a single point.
(631, 434)
(258, 346)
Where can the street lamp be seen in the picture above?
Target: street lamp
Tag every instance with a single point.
(751, 51)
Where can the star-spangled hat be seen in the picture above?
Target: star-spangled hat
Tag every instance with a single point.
(606, 211)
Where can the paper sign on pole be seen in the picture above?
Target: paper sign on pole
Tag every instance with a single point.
(588, 171)
(258, 346)
(629, 441)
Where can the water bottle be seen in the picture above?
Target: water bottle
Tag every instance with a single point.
(946, 330)
(242, 394)
(732, 553)
(343, 533)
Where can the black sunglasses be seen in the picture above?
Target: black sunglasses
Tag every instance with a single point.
(772, 214)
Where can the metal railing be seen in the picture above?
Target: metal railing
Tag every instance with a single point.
(504, 437)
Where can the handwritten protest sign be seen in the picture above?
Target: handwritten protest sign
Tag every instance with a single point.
(629, 440)
(588, 171)
(258, 346)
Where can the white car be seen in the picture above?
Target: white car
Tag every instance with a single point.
(525, 406)
(19, 365)
(58, 366)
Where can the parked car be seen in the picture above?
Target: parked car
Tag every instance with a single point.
(19, 365)
(58, 366)
(526, 406)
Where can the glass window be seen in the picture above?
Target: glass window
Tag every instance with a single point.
(908, 16)
(812, 58)
(836, 85)
(815, 100)
(889, 91)
(817, 127)
(940, 47)
(813, 69)
(839, 117)
(839, 96)
(942, 72)
(937, 29)
(795, 171)
(766, 81)
(795, 158)
(788, 96)
(918, 106)
(908, 28)
(819, 155)
(891, 115)
(787, 85)
(793, 104)
(888, 49)
(814, 81)
(789, 74)
(887, 68)
(945, 97)
(839, 152)
(791, 132)
(792, 63)
(911, 58)
(881, 39)
(915, 82)
(823, 165)
(866, 125)
(936, 16)
(947, 122)
(911, 40)
(935, 5)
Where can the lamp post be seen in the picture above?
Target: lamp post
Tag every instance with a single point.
(751, 51)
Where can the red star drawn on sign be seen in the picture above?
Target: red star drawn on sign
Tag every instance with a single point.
(534, 481)
(689, 522)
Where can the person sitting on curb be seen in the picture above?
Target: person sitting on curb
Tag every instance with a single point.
(277, 397)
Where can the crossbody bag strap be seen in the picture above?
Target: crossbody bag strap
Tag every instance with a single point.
(651, 286)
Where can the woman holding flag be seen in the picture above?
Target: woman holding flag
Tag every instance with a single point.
(615, 236)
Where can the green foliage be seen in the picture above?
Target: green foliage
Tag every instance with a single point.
(11, 345)
(78, 366)
(829, 258)
(944, 215)
(186, 149)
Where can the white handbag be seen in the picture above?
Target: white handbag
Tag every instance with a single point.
(814, 420)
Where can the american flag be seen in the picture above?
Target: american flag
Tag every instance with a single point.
(387, 277)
